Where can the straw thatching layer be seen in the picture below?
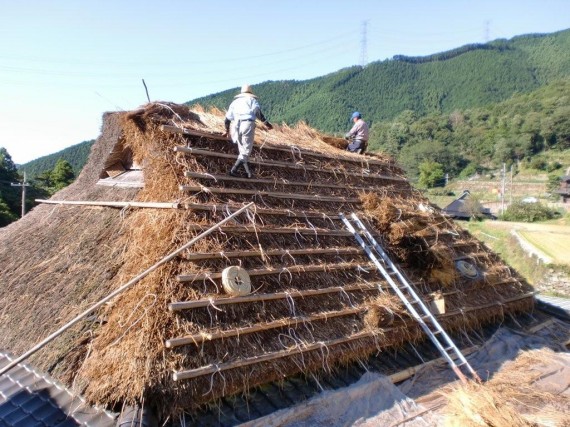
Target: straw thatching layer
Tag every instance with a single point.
(317, 301)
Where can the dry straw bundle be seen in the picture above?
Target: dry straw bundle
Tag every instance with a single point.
(511, 398)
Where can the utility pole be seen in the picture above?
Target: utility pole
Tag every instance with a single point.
(503, 179)
(511, 192)
(487, 37)
(23, 185)
(446, 179)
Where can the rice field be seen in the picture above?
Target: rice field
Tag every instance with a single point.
(551, 239)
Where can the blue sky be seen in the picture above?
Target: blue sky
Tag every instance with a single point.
(63, 63)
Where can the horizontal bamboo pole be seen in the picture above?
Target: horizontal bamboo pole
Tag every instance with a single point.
(204, 336)
(289, 165)
(120, 290)
(485, 306)
(155, 205)
(275, 230)
(263, 211)
(210, 369)
(293, 149)
(283, 270)
(275, 194)
(187, 305)
(275, 252)
(274, 182)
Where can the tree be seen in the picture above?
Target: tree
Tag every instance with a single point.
(8, 174)
(6, 215)
(431, 174)
(62, 175)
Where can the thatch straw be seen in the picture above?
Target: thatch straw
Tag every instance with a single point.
(510, 398)
(125, 360)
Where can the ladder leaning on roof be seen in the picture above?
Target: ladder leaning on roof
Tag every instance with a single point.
(414, 304)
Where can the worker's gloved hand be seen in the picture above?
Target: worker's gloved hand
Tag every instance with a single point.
(268, 125)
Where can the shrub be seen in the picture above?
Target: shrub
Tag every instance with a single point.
(529, 212)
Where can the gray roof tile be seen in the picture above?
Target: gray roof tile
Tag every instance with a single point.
(30, 399)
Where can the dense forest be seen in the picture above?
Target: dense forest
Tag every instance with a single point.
(76, 156)
(471, 76)
(466, 141)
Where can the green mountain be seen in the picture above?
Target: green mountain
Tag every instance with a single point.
(470, 76)
(519, 130)
(76, 155)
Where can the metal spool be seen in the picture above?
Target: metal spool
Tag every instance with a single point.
(466, 269)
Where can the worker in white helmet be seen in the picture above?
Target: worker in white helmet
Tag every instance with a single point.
(242, 113)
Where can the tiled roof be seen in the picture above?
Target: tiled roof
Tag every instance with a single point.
(29, 399)
(559, 307)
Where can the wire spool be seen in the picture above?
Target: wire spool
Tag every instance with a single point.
(467, 269)
(236, 281)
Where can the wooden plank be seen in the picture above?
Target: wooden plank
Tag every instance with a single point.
(276, 252)
(273, 182)
(292, 149)
(275, 230)
(289, 165)
(188, 305)
(210, 369)
(283, 270)
(400, 376)
(155, 205)
(292, 321)
(277, 195)
(262, 211)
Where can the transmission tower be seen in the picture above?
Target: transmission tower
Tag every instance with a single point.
(487, 26)
(364, 44)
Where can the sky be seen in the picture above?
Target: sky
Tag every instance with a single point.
(63, 63)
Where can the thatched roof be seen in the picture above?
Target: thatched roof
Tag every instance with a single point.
(315, 301)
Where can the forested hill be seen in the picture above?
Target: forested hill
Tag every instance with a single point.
(467, 77)
(76, 155)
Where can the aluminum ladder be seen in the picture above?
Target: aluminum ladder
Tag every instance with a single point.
(413, 303)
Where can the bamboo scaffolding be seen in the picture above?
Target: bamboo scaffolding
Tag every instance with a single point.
(277, 195)
(292, 150)
(156, 205)
(289, 165)
(188, 305)
(205, 336)
(283, 270)
(263, 211)
(210, 369)
(275, 230)
(276, 252)
(274, 182)
(214, 368)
